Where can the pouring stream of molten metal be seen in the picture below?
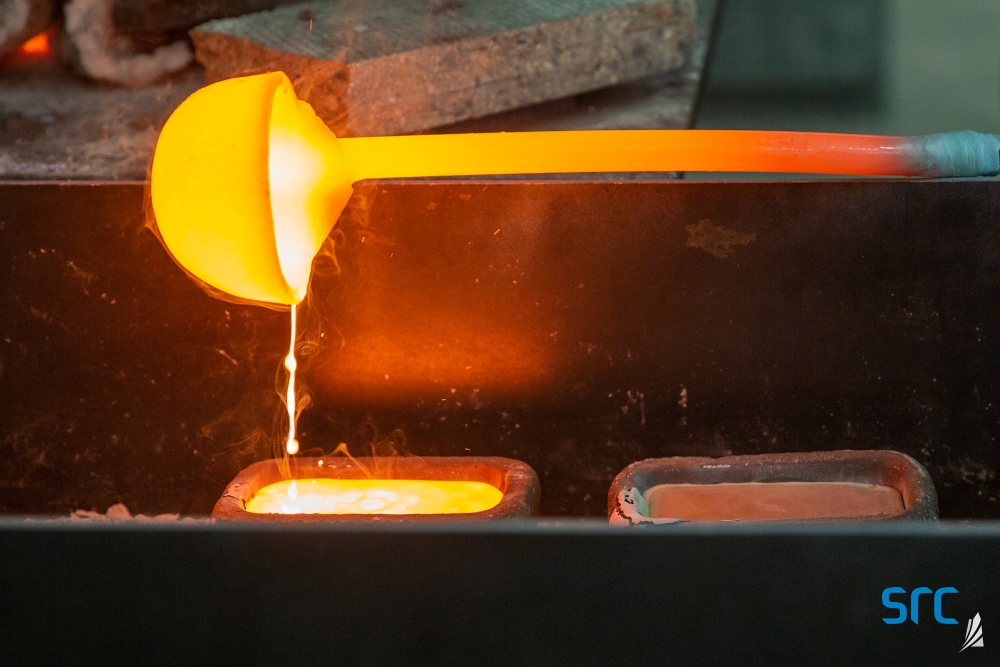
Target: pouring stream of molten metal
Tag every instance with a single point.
(291, 444)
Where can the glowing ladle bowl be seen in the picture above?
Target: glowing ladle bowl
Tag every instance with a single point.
(247, 182)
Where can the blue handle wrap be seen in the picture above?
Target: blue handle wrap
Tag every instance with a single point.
(964, 153)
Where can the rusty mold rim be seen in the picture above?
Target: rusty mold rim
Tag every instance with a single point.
(887, 468)
(515, 479)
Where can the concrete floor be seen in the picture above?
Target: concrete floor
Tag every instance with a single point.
(942, 73)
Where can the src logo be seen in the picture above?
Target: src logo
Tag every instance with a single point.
(973, 631)
(888, 603)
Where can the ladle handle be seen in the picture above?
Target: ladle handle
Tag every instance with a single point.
(952, 154)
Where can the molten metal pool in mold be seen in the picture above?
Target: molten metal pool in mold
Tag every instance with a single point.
(374, 496)
(382, 489)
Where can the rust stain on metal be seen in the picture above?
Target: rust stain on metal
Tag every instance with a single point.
(716, 240)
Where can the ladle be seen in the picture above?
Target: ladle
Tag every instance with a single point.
(247, 182)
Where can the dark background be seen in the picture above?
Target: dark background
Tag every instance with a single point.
(556, 323)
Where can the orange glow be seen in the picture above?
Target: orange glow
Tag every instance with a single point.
(38, 45)
(247, 182)
(373, 496)
(390, 367)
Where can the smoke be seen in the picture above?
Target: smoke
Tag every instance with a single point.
(384, 452)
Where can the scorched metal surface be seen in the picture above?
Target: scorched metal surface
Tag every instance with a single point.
(576, 326)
